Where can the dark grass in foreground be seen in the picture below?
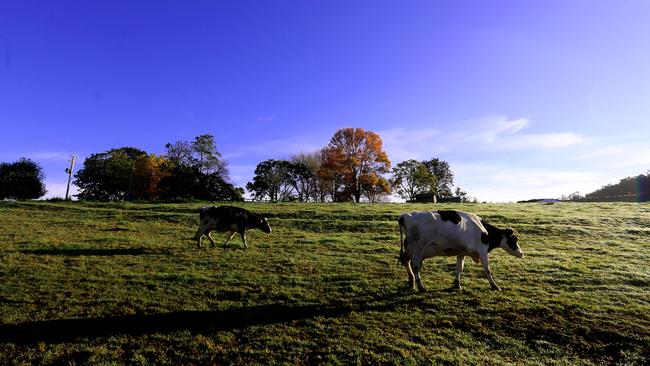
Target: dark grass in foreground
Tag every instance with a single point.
(122, 283)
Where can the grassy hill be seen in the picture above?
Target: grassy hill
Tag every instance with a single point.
(106, 283)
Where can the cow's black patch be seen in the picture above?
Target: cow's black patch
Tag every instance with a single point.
(414, 233)
(449, 215)
(493, 237)
(512, 241)
(229, 217)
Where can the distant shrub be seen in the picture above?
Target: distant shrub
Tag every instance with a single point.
(55, 199)
(21, 180)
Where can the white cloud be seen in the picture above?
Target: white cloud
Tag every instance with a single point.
(618, 154)
(494, 159)
(502, 183)
(487, 134)
(266, 119)
(544, 141)
(402, 144)
(277, 149)
(487, 129)
(241, 174)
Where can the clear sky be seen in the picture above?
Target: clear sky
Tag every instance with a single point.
(524, 99)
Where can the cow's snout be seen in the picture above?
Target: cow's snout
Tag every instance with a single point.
(264, 226)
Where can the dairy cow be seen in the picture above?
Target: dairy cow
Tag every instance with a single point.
(228, 218)
(451, 233)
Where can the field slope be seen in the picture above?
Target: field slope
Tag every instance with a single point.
(101, 283)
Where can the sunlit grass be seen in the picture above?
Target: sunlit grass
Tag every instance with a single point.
(123, 283)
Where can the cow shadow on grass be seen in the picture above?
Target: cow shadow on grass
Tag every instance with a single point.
(77, 252)
(67, 330)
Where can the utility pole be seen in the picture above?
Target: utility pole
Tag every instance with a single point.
(73, 158)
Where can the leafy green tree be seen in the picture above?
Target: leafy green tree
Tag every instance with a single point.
(412, 177)
(108, 175)
(427, 181)
(444, 176)
(21, 180)
(301, 179)
(180, 153)
(272, 179)
(462, 194)
(403, 179)
(312, 186)
(188, 182)
(207, 156)
(197, 171)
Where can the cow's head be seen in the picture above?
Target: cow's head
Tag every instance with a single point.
(264, 225)
(509, 243)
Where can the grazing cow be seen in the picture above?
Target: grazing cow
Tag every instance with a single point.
(228, 218)
(451, 233)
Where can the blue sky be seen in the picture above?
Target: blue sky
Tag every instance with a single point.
(523, 98)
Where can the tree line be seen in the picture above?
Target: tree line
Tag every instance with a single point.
(187, 170)
(352, 167)
(637, 187)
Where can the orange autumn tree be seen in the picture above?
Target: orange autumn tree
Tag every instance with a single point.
(353, 164)
(148, 171)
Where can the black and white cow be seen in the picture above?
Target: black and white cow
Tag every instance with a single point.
(228, 218)
(451, 233)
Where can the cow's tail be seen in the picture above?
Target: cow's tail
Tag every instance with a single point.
(402, 256)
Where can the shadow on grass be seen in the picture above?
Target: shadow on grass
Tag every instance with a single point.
(86, 252)
(66, 330)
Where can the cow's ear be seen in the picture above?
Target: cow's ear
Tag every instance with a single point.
(508, 232)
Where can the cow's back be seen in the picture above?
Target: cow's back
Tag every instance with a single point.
(441, 231)
(228, 217)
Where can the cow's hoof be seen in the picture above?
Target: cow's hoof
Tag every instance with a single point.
(496, 288)
(422, 289)
(457, 287)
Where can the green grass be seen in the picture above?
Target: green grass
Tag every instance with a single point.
(107, 283)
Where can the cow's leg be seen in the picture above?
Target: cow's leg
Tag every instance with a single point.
(460, 265)
(405, 257)
(243, 238)
(211, 239)
(409, 272)
(198, 236)
(232, 233)
(416, 265)
(488, 272)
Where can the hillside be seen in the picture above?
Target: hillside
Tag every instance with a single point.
(634, 189)
(106, 283)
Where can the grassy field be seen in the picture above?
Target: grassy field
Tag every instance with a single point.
(101, 283)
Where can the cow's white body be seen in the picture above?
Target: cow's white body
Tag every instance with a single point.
(450, 233)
